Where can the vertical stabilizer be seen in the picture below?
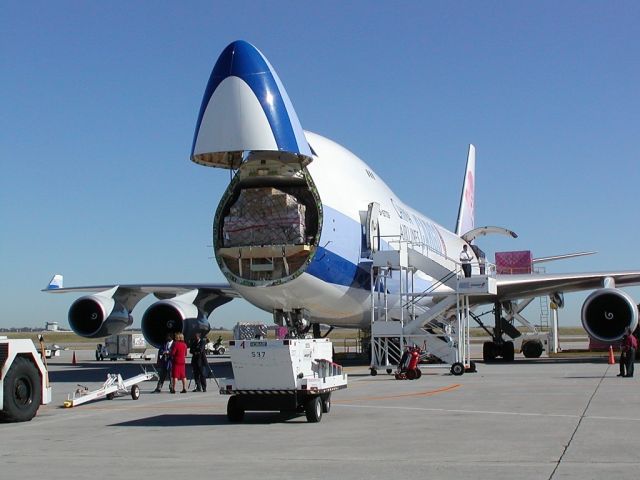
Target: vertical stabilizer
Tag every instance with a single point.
(55, 282)
(466, 211)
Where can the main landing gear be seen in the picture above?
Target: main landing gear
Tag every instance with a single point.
(498, 347)
(492, 350)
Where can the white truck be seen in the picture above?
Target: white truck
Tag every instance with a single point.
(126, 345)
(24, 381)
(290, 376)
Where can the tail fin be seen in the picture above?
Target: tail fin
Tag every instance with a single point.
(55, 283)
(466, 211)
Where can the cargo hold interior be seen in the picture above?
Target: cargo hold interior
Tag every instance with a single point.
(266, 227)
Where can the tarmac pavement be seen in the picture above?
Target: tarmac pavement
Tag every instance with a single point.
(533, 419)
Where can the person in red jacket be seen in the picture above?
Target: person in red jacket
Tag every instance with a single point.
(628, 349)
(178, 355)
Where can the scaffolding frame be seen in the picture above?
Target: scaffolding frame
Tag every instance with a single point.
(389, 333)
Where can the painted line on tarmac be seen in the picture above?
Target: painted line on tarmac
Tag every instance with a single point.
(490, 412)
(428, 393)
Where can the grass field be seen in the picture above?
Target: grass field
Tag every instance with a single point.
(339, 336)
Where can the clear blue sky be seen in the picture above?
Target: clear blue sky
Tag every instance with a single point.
(99, 103)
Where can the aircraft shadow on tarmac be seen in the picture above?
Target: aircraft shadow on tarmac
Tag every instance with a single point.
(193, 420)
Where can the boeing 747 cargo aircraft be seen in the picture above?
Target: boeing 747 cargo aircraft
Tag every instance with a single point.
(296, 228)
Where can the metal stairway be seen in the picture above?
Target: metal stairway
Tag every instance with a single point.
(436, 319)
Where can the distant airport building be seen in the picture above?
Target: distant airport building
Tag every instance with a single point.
(51, 327)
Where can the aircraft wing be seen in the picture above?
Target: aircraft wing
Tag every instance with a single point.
(512, 287)
(107, 309)
(160, 290)
(206, 295)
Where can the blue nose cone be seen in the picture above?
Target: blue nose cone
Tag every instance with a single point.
(240, 59)
(245, 107)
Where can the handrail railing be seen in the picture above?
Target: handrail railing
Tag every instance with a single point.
(485, 268)
(489, 268)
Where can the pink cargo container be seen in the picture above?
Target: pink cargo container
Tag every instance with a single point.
(511, 263)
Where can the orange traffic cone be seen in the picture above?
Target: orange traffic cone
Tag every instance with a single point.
(73, 360)
(612, 360)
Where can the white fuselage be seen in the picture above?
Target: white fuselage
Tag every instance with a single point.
(336, 287)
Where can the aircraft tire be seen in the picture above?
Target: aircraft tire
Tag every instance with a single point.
(22, 391)
(488, 352)
(508, 351)
(532, 349)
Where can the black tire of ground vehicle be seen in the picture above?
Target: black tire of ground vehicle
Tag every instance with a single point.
(508, 352)
(532, 349)
(111, 396)
(135, 392)
(418, 373)
(326, 403)
(221, 350)
(235, 412)
(313, 409)
(488, 352)
(373, 372)
(389, 371)
(22, 391)
(411, 375)
(472, 367)
(457, 369)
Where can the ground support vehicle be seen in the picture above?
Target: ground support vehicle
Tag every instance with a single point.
(216, 348)
(291, 376)
(24, 381)
(114, 386)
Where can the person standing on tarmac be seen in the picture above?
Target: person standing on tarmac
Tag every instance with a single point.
(164, 363)
(178, 356)
(198, 350)
(628, 349)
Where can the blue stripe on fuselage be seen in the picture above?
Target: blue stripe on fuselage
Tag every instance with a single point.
(334, 269)
(334, 263)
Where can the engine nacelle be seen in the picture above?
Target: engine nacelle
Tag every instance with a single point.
(96, 316)
(607, 312)
(171, 316)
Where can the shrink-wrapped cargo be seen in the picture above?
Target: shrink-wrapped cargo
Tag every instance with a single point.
(512, 263)
(248, 331)
(264, 216)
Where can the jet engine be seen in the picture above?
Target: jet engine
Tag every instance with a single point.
(607, 312)
(94, 316)
(171, 316)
